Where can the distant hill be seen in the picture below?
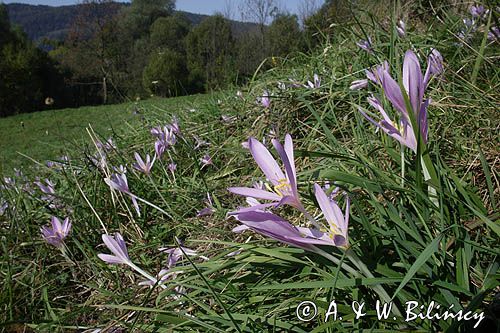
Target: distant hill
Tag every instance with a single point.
(39, 21)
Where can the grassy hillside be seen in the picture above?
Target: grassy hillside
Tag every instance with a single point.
(412, 162)
(48, 135)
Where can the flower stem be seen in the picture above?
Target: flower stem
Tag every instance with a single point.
(145, 274)
(377, 288)
(336, 261)
(150, 204)
(311, 219)
(402, 166)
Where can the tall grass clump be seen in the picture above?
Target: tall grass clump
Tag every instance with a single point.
(383, 188)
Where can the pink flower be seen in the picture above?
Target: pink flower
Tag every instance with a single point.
(57, 232)
(118, 247)
(284, 185)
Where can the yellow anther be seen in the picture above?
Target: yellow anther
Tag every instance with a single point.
(281, 188)
(335, 230)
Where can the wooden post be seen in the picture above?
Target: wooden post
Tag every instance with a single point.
(104, 91)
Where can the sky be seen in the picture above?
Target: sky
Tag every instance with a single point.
(194, 6)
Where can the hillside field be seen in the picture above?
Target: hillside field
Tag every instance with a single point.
(48, 135)
(363, 172)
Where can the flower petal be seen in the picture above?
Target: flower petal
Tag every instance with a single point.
(393, 92)
(110, 259)
(266, 161)
(413, 81)
(255, 193)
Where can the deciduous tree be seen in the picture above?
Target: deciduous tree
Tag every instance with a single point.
(210, 50)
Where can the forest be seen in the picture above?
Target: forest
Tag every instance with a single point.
(102, 52)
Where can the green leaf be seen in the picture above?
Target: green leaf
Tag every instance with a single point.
(339, 283)
(452, 287)
(421, 260)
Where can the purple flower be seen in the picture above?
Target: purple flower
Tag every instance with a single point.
(57, 232)
(284, 190)
(402, 131)
(359, 84)
(53, 165)
(316, 84)
(144, 166)
(174, 126)
(200, 142)
(375, 74)
(120, 169)
(273, 226)
(478, 11)
(434, 65)
(10, 182)
(119, 182)
(156, 131)
(18, 173)
(108, 145)
(47, 188)
(99, 160)
(259, 185)
(264, 99)
(118, 247)
(160, 148)
(337, 222)
(161, 277)
(175, 254)
(365, 45)
(228, 119)
(401, 28)
(414, 84)
(3, 207)
(333, 193)
(206, 160)
(166, 137)
(28, 189)
(172, 167)
(469, 23)
(209, 210)
(494, 34)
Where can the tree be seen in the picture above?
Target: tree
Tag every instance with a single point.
(284, 35)
(5, 31)
(307, 8)
(169, 33)
(143, 13)
(95, 51)
(250, 54)
(261, 12)
(210, 50)
(166, 74)
(28, 76)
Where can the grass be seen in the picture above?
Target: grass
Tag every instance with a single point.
(417, 239)
(48, 135)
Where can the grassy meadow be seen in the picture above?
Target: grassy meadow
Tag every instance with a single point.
(48, 135)
(423, 223)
